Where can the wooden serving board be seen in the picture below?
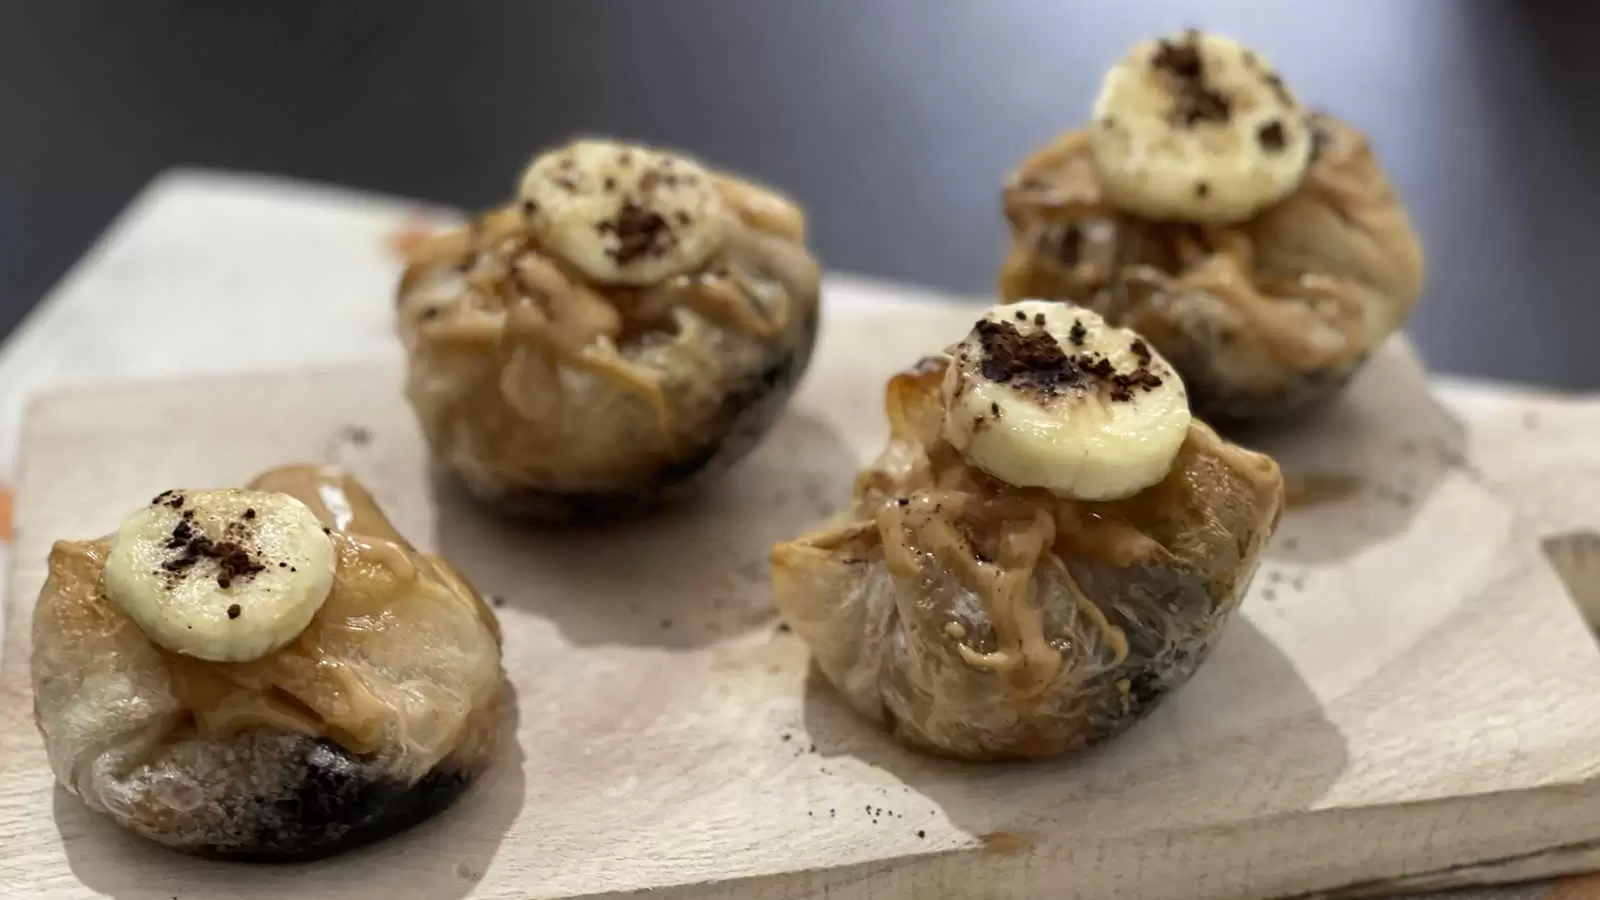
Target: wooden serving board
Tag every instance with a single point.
(1409, 698)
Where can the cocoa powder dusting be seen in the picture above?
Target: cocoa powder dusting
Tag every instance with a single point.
(191, 546)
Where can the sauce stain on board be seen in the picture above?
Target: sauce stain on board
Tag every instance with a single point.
(5, 513)
(1583, 887)
(1006, 843)
(1317, 488)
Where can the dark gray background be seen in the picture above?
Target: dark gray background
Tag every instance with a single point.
(894, 120)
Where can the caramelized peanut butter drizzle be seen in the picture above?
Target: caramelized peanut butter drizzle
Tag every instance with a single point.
(537, 302)
(762, 209)
(929, 501)
(337, 499)
(1289, 316)
(1023, 657)
(1258, 470)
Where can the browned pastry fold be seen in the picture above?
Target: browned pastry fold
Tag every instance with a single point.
(1262, 318)
(381, 712)
(985, 621)
(554, 395)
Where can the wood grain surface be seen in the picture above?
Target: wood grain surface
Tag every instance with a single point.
(1409, 698)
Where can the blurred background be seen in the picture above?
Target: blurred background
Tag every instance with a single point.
(895, 121)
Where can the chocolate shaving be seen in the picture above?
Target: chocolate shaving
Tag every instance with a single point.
(1123, 386)
(1271, 136)
(640, 232)
(1099, 367)
(1193, 101)
(1077, 333)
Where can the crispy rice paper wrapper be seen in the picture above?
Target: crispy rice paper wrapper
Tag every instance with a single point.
(550, 396)
(982, 621)
(378, 714)
(1262, 319)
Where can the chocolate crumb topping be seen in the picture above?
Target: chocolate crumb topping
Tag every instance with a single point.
(1077, 333)
(1021, 316)
(1123, 385)
(1030, 362)
(1202, 188)
(1036, 362)
(529, 207)
(1271, 136)
(683, 218)
(234, 561)
(250, 513)
(1193, 101)
(233, 610)
(1099, 367)
(1181, 58)
(1038, 320)
(609, 185)
(640, 232)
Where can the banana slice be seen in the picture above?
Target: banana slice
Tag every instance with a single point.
(1046, 394)
(1197, 128)
(623, 214)
(223, 575)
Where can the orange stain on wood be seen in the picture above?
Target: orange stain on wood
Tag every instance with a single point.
(1301, 491)
(5, 513)
(1005, 843)
(410, 236)
(1583, 887)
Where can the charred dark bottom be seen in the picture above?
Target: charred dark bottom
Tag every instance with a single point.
(337, 805)
(1221, 404)
(748, 413)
